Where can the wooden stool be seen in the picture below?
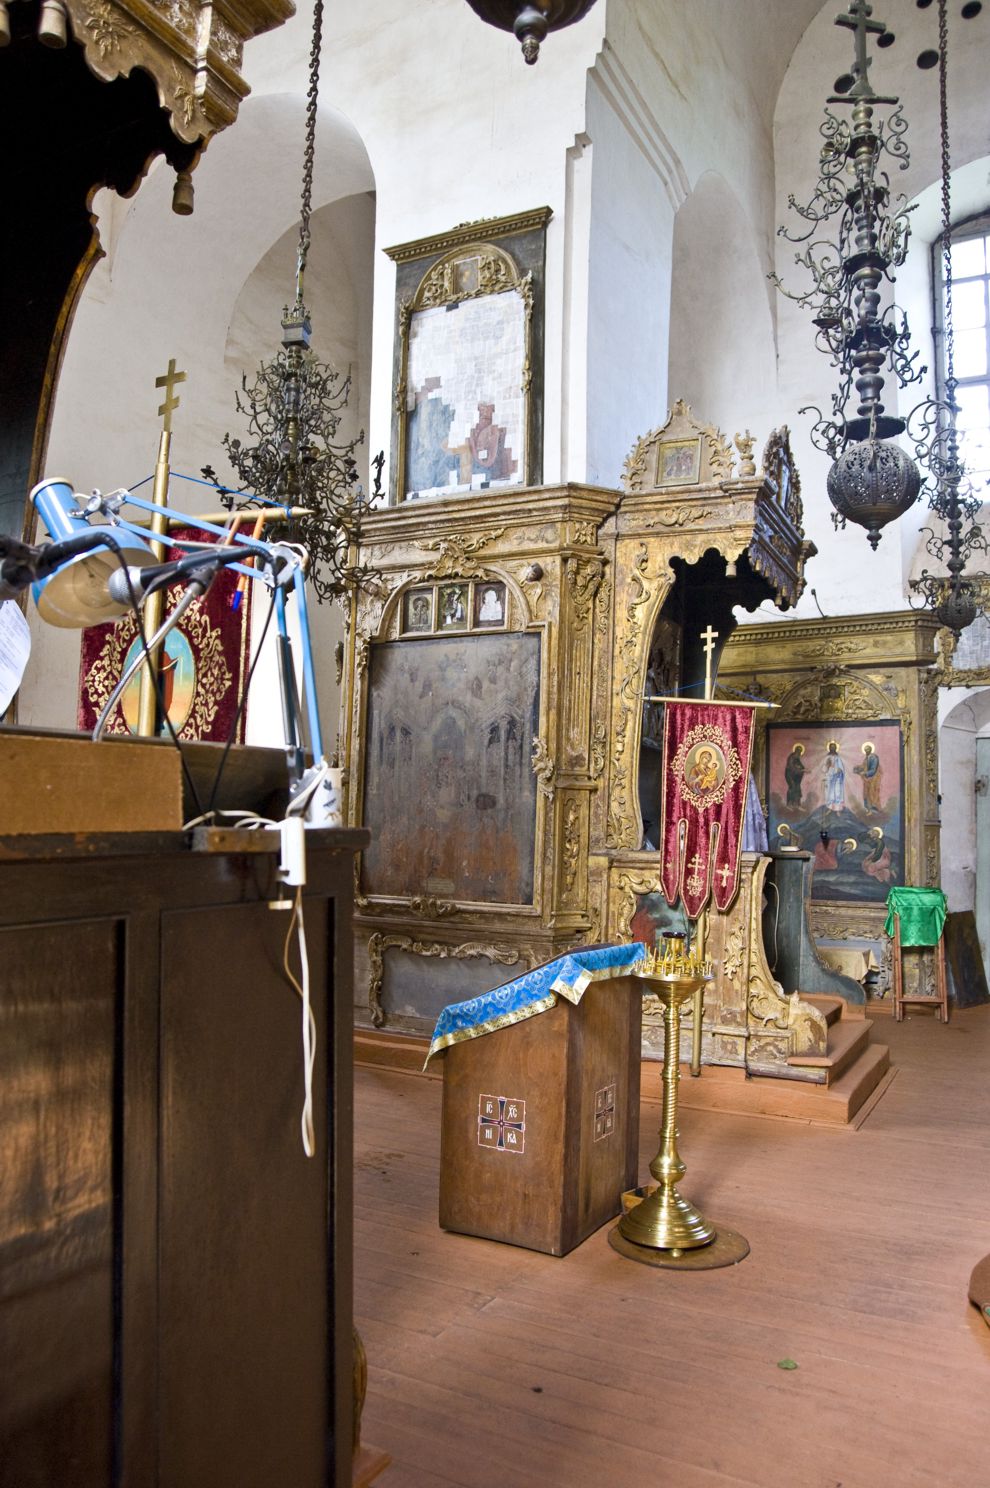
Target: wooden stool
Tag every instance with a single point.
(898, 900)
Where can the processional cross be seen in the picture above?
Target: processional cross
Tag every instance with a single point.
(168, 381)
(709, 637)
(148, 721)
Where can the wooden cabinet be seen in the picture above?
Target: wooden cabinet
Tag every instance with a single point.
(175, 1273)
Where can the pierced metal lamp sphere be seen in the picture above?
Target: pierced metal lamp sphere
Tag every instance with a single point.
(871, 483)
(957, 608)
(531, 19)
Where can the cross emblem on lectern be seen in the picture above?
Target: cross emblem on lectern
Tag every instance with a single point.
(501, 1123)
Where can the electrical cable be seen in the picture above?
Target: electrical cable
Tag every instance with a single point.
(308, 1020)
(776, 921)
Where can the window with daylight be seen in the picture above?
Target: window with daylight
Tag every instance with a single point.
(971, 336)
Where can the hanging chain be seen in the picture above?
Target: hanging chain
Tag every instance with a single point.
(306, 206)
(947, 330)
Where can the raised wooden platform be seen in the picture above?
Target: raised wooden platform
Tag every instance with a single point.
(855, 1076)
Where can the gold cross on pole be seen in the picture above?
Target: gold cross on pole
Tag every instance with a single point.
(168, 381)
(709, 637)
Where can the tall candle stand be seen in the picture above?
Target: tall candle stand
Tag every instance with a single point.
(664, 1229)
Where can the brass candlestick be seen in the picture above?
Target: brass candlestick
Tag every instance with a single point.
(664, 1229)
(665, 1220)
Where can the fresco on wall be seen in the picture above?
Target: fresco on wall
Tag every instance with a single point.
(465, 408)
(837, 790)
(450, 794)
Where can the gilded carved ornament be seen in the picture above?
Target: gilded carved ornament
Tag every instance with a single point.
(544, 769)
(744, 444)
(780, 471)
(465, 234)
(456, 552)
(642, 470)
(379, 943)
(193, 52)
(834, 692)
(583, 578)
(599, 750)
(572, 844)
(683, 516)
(629, 885)
(621, 827)
(603, 605)
(429, 907)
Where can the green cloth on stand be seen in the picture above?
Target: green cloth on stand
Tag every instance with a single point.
(922, 915)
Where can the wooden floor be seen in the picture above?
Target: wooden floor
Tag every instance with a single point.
(494, 1367)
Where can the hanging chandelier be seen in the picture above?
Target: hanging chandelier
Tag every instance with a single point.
(294, 406)
(952, 598)
(531, 19)
(872, 479)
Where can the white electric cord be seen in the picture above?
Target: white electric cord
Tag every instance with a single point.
(308, 1020)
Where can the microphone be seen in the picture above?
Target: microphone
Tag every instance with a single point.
(128, 584)
(23, 564)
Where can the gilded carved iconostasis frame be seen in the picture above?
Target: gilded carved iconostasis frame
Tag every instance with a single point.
(854, 669)
(589, 570)
(467, 405)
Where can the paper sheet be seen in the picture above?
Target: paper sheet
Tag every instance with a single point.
(15, 648)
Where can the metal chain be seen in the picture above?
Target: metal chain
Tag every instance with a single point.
(943, 64)
(306, 207)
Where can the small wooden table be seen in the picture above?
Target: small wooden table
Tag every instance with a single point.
(902, 901)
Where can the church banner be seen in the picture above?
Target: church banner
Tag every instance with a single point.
(203, 667)
(706, 759)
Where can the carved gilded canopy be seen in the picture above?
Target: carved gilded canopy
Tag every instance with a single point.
(694, 482)
(192, 48)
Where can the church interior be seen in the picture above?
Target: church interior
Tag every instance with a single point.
(494, 677)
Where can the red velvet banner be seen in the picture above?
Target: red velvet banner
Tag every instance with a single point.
(706, 759)
(203, 669)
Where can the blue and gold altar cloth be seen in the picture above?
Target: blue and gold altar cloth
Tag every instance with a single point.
(567, 976)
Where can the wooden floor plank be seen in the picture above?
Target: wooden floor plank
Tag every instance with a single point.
(495, 1367)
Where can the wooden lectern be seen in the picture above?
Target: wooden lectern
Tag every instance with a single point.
(541, 1122)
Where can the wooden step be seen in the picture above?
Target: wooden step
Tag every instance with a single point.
(719, 1088)
(832, 1007)
(854, 1088)
(403, 1053)
(731, 1092)
(847, 1040)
